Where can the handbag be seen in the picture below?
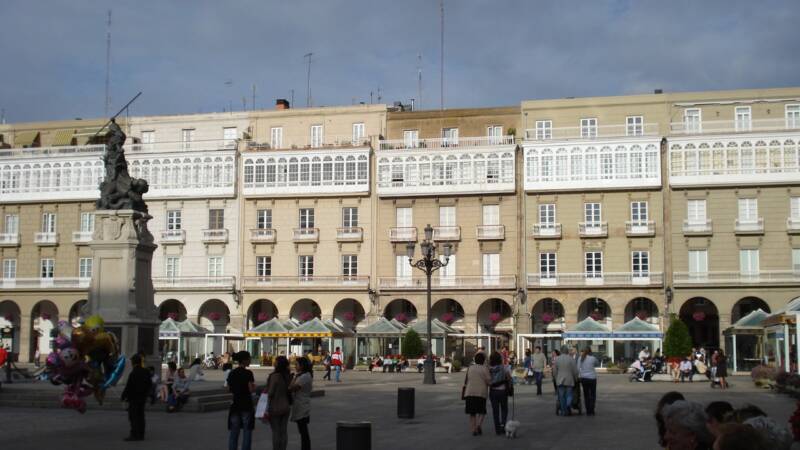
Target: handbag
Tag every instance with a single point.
(262, 406)
(464, 387)
(510, 387)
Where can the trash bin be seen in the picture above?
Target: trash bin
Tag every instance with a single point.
(353, 435)
(405, 403)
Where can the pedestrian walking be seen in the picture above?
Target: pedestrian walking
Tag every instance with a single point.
(279, 403)
(722, 369)
(526, 367)
(474, 391)
(565, 372)
(499, 391)
(326, 362)
(241, 415)
(136, 392)
(553, 356)
(301, 406)
(588, 376)
(538, 361)
(337, 361)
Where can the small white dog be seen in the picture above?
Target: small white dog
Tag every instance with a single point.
(511, 428)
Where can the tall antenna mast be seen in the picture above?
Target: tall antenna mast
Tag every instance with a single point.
(254, 97)
(108, 64)
(308, 80)
(419, 79)
(441, 73)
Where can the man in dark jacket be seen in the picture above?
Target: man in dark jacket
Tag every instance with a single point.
(136, 392)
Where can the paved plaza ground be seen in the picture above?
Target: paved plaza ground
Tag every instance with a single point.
(624, 418)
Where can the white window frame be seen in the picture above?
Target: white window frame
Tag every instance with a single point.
(276, 137)
(359, 133)
(796, 261)
(450, 137)
(447, 274)
(11, 224)
(593, 265)
(544, 130)
(748, 210)
(547, 215)
(49, 224)
(305, 267)
(264, 219)
(792, 113)
(640, 264)
(694, 208)
(349, 266)
(491, 268)
(9, 268)
(85, 268)
(447, 216)
(216, 266)
(404, 217)
(229, 136)
(693, 120)
(589, 127)
(495, 134)
(698, 263)
(593, 214)
(47, 268)
(317, 136)
(174, 219)
(743, 118)
(548, 265)
(749, 262)
(639, 213)
(187, 136)
(349, 216)
(87, 222)
(263, 266)
(172, 267)
(306, 218)
(402, 270)
(411, 138)
(634, 126)
(794, 208)
(491, 214)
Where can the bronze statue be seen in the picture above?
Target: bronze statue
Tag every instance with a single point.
(118, 190)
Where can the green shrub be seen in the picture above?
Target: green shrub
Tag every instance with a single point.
(412, 344)
(677, 342)
(457, 365)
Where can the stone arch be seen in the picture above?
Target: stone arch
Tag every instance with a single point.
(547, 314)
(447, 310)
(44, 317)
(173, 309)
(746, 305)
(643, 308)
(304, 310)
(76, 313)
(348, 312)
(494, 313)
(702, 318)
(260, 311)
(10, 314)
(594, 307)
(400, 309)
(214, 315)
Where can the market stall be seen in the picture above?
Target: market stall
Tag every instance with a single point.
(743, 341)
(628, 339)
(180, 341)
(598, 335)
(382, 337)
(263, 340)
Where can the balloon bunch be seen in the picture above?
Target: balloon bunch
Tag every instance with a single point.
(86, 361)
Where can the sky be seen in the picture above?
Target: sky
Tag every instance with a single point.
(189, 56)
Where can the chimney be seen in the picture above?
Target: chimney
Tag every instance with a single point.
(281, 103)
(658, 91)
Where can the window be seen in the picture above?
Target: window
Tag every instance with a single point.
(216, 219)
(276, 137)
(547, 215)
(794, 208)
(187, 136)
(173, 266)
(404, 217)
(358, 133)
(306, 266)
(748, 210)
(264, 219)
(495, 134)
(48, 268)
(263, 266)
(547, 265)
(795, 261)
(85, 268)
(349, 217)
(48, 223)
(316, 136)
(589, 128)
(411, 138)
(449, 137)
(594, 264)
(215, 266)
(634, 126)
(544, 129)
(447, 216)
(229, 135)
(792, 116)
(592, 214)
(692, 121)
(87, 222)
(11, 224)
(447, 274)
(698, 263)
(148, 139)
(491, 268)
(696, 211)
(639, 213)
(491, 214)
(174, 219)
(402, 270)
(306, 217)
(743, 118)
(9, 269)
(640, 264)
(349, 265)
(748, 262)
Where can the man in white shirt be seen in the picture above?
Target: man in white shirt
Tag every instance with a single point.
(644, 354)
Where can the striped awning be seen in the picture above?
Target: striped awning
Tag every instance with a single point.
(267, 334)
(25, 138)
(63, 137)
(84, 135)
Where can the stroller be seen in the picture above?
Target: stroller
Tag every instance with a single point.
(644, 374)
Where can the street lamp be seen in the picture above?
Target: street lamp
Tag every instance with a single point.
(429, 263)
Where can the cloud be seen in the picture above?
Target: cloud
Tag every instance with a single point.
(180, 52)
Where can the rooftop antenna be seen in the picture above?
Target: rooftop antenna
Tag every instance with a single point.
(229, 83)
(3, 116)
(419, 79)
(379, 94)
(108, 65)
(441, 73)
(254, 97)
(308, 80)
(292, 96)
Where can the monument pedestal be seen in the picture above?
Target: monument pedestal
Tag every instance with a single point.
(122, 286)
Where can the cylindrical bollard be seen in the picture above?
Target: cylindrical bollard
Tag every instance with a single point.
(353, 435)
(405, 403)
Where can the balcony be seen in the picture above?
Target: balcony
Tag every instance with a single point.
(443, 234)
(82, 237)
(173, 237)
(327, 282)
(593, 229)
(218, 236)
(733, 126)
(213, 283)
(640, 228)
(9, 239)
(792, 225)
(350, 234)
(457, 282)
(490, 232)
(45, 283)
(326, 141)
(618, 279)
(596, 132)
(403, 234)
(262, 235)
(46, 238)
(547, 230)
(182, 146)
(446, 143)
(697, 227)
(764, 277)
(755, 226)
(305, 235)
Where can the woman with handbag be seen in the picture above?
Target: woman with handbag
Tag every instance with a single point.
(301, 406)
(499, 391)
(476, 385)
(280, 402)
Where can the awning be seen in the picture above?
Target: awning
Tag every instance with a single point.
(25, 138)
(438, 328)
(749, 324)
(84, 135)
(272, 328)
(588, 329)
(637, 328)
(381, 328)
(63, 138)
(172, 329)
(316, 328)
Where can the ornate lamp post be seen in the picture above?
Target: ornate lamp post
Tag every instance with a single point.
(429, 263)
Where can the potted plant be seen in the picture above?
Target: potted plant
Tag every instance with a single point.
(262, 317)
(401, 317)
(495, 317)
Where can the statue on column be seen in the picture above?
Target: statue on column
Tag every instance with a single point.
(118, 190)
